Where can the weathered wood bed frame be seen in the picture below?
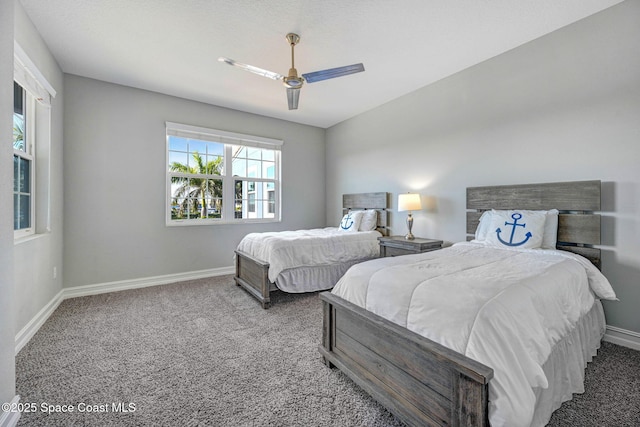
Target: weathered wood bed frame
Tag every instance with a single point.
(420, 381)
(252, 274)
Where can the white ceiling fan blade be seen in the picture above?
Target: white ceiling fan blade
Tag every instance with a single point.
(293, 95)
(252, 69)
(332, 73)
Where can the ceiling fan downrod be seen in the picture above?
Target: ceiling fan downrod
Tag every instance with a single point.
(292, 80)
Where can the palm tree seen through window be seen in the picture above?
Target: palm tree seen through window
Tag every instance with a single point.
(194, 197)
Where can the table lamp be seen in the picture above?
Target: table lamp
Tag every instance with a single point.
(409, 202)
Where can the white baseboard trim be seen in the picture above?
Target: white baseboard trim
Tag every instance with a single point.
(10, 419)
(102, 288)
(30, 329)
(622, 337)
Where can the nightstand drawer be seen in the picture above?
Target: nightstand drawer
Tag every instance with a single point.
(393, 251)
(398, 245)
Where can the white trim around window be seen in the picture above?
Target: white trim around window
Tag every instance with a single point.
(221, 177)
(37, 144)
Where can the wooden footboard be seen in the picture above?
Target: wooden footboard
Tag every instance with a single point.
(420, 381)
(253, 275)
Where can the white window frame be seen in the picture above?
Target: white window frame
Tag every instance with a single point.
(229, 139)
(39, 93)
(28, 155)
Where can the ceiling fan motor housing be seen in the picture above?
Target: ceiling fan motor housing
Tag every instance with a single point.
(292, 80)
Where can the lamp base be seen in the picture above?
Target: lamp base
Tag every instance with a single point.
(409, 235)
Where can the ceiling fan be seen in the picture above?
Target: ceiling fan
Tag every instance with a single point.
(293, 82)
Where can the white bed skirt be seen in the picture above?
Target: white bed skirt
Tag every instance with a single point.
(567, 362)
(313, 278)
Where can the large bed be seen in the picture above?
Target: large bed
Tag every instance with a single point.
(477, 333)
(311, 260)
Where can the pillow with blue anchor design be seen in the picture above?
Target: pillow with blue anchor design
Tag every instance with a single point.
(516, 229)
(351, 221)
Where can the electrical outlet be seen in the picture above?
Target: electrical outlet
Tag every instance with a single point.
(55, 272)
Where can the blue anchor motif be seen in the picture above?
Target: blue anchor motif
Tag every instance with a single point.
(516, 216)
(345, 224)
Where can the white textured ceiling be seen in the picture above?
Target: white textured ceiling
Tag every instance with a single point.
(172, 46)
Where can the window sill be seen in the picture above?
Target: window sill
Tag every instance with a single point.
(190, 223)
(25, 239)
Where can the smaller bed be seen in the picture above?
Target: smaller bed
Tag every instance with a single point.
(311, 260)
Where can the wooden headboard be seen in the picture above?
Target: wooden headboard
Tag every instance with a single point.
(578, 225)
(364, 201)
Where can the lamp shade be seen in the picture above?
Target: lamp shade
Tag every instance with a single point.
(409, 202)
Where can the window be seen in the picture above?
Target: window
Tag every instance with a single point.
(216, 176)
(31, 142)
(23, 209)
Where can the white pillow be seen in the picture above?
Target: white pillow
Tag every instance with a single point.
(369, 220)
(351, 221)
(483, 226)
(550, 236)
(516, 229)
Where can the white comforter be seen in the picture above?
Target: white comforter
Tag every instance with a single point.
(504, 308)
(318, 246)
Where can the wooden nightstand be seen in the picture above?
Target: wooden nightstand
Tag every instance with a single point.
(398, 245)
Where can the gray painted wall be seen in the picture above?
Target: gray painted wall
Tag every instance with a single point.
(114, 183)
(563, 107)
(35, 259)
(27, 266)
(7, 333)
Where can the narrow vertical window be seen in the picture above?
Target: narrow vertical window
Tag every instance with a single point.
(23, 168)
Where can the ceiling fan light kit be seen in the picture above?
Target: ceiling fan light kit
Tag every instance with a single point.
(293, 95)
(292, 81)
